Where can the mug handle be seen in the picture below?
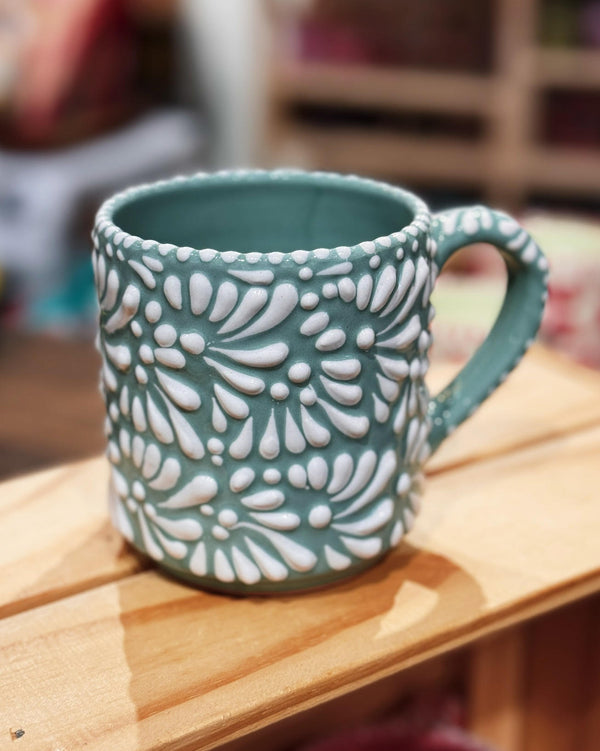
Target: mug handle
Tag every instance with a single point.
(518, 320)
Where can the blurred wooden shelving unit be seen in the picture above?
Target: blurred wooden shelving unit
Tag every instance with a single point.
(506, 164)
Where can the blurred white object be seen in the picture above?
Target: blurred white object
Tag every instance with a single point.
(40, 193)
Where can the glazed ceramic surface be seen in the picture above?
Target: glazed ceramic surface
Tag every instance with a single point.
(264, 338)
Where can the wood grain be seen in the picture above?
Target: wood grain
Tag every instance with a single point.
(147, 663)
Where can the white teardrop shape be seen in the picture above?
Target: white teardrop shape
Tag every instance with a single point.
(174, 548)
(199, 490)
(384, 471)
(218, 419)
(364, 470)
(269, 443)
(363, 291)
(389, 389)
(383, 290)
(343, 370)
(295, 555)
(347, 289)
(125, 442)
(315, 323)
(253, 301)
(247, 384)
(232, 404)
(119, 355)
(354, 426)
(271, 568)
(382, 411)
(158, 423)
(112, 290)
(335, 560)
(137, 453)
(172, 358)
(282, 520)
(187, 439)
(242, 445)
(200, 293)
(109, 378)
(246, 571)
(263, 357)
(151, 461)
(330, 340)
(406, 276)
(343, 393)
(317, 472)
(368, 548)
(137, 413)
(297, 476)
(338, 269)
(192, 343)
(401, 414)
(377, 518)
(397, 533)
(168, 475)
(294, 440)
(198, 560)
(101, 272)
(315, 433)
(153, 263)
(130, 303)
(226, 299)
(145, 274)
(421, 276)
(149, 543)
(283, 301)
(182, 529)
(342, 471)
(299, 372)
(264, 500)
(396, 368)
(124, 401)
(405, 336)
(241, 479)
(172, 290)
(264, 276)
(181, 394)
(223, 570)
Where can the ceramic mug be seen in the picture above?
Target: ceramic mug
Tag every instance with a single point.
(264, 338)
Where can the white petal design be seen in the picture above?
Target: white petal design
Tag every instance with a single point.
(100, 272)
(295, 555)
(363, 291)
(368, 548)
(119, 482)
(232, 404)
(145, 274)
(223, 570)
(246, 571)
(406, 276)
(137, 413)
(182, 395)
(364, 470)
(406, 336)
(153, 263)
(417, 441)
(338, 269)
(282, 520)
(317, 472)
(247, 384)
(120, 518)
(297, 476)
(112, 290)
(343, 393)
(271, 568)
(172, 358)
(151, 461)
(119, 355)
(343, 370)
(158, 423)
(377, 518)
(335, 560)
(125, 442)
(242, 445)
(342, 471)
(283, 301)
(188, 441)
(389, 389)
(219, 421)
(264, 276)
(109, 377)
(138, 450)
(150, 545)
(330, 340)
(241, 479)
(264, 500)
(200, 293)
(294, 440)
(396, 369)
(397, 532)
(172, 290)
(198, 491)
(386, 468)
(198, 560)
(262, 357)
(421, 276)
(354, 426)
(401, 414)
(383, 290)
(269, 443)
(225, 301)
(315, 433)
(124, 401)
(168, 475)
(315, 323)
(174, 548)
(382, 411)
(182, 529)
(253, 301)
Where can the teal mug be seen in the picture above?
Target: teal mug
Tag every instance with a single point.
(264, 340)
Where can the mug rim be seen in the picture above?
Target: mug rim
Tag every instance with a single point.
(106, 226)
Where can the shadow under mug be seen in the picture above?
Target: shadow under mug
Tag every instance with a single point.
(264, 338)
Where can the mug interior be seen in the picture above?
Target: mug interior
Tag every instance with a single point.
(263, 214)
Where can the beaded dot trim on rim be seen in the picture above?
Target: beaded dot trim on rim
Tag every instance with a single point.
(419, 226)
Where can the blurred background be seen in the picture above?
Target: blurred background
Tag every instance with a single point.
(460, 100)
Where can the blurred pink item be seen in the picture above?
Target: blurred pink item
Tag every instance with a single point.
(320, 42)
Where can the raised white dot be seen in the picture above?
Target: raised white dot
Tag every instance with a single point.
(343, 252)
(375, 262)
(272, 476)
(319, 516)
(330, 290)
(308, 396)
(297, 476)
(131, 505)
(229, 256)
(415, 246)
(322, 253)
(400, 254)
(153, 311)
(300, 256)
(299, 372)
(138, 490)
(192, 343)
(206, 254)
(309, 301)
(146, 354)
(217, 460)
(276, 257)
(368, 246)
(227, 517)
(183, 253)
(207, 509)
(279, 391)
(215, 446)
(385, 241)
(305, 273)
(140, 374)
(253, 257)
(114, 411)
(136, 328)
(219, 533)
(365, 338)
(415, 368)
(165, 335)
